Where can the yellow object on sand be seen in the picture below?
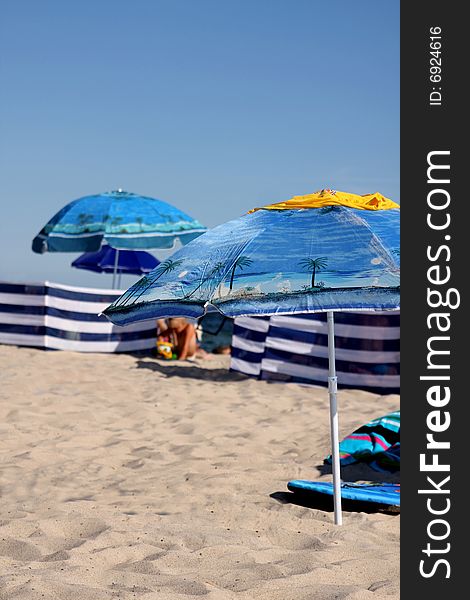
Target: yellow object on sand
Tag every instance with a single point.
(165, 349)
(333, 198)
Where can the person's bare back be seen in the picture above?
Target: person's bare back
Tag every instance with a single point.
(182, 335)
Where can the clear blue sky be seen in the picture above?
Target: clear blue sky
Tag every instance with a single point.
(212, 105)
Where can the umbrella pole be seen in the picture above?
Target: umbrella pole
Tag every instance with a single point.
(116, 260)
(332, 388)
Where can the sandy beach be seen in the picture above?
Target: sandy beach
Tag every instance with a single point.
(126, 477)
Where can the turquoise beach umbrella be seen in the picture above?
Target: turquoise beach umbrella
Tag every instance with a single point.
(121, 219)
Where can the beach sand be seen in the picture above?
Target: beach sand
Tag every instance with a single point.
(125, 477)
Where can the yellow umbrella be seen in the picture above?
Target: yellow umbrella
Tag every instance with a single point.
(333, 197)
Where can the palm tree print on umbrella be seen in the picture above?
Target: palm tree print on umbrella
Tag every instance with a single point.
(116, 221)
(242, 261)
(314, 265)
(83, 221)
(216, 270)
(143, 284)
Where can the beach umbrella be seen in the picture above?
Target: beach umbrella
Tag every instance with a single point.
(110, 260)
(121, 219)
(324, 252)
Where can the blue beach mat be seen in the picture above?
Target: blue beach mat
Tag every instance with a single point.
(384, 494)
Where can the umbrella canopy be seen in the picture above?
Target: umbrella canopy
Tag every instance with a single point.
(121, 219)
(322, 252)
(109, 260)
(277, 260)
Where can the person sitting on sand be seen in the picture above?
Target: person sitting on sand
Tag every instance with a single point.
(181, 334)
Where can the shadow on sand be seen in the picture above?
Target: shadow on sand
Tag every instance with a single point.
(325, 503)
(192, 371)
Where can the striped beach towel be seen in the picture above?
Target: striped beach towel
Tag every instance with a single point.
(376, 442)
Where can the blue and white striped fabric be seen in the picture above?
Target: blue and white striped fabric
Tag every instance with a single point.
(295, 348)
(52, 316)
(248, 344)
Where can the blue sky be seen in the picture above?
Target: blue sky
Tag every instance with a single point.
(214, 106)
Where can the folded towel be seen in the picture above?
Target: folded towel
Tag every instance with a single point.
(376, 442)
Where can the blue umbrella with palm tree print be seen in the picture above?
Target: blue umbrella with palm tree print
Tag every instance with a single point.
(317, 253)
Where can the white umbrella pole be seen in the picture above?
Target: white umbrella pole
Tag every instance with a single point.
(116, 260)
(332, 388)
